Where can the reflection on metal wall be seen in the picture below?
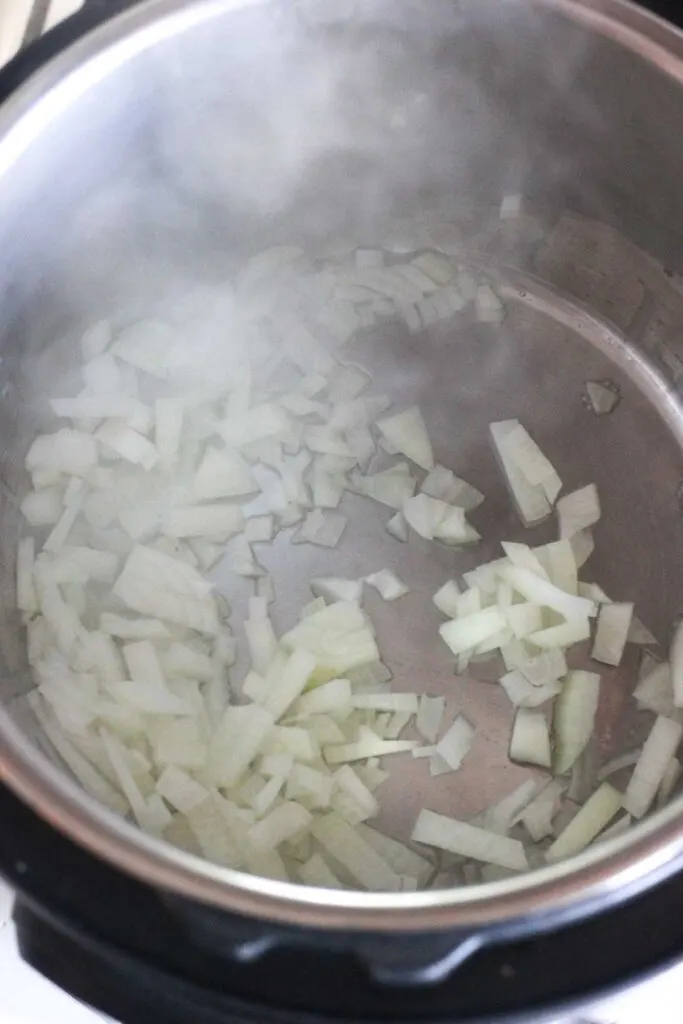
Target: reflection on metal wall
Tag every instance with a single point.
(23, 20)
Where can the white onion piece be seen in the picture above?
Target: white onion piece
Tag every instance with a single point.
(501, 816)
(588, 823)
(391, 487)
(573, 631)
(43, 507)
(456, 742)
(238, 738)
(524, 694)
(524, 619)
(317, 872)
(469, 841)
(603, 399)
(676, 658)
(366, 746)
(387, 584)
(540, 591)
(583, 546)
(407, 432)
(531, 501)
(620, 826)
(669, 782)
(345, 845)
(530, 740)
(544, 668)
(334, 589)
(574, 717)
(352, 798)
(659, 748)
(398, 527)
(322, 528)
(339, 637)
(443, 484)
(614, 622)
(638, 633)
(538, 815)
(391, 702)
(489, 308)
(27, 598)
(397, 855)
(617, 764)
(126, 442)
(655, 691)
(67, 451)
(429, 717)
(464, 633)
(578, 511)
(446, 599)
(180, 790)
(530, 460)
(334, 697)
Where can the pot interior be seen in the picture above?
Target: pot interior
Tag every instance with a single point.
(140, 190)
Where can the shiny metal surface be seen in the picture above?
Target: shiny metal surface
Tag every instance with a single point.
(154, 154)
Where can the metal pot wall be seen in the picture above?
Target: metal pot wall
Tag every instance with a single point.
(144, 139)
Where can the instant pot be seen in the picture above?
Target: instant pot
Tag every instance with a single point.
(582, 101)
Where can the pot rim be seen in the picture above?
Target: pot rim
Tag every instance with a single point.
(544, 898)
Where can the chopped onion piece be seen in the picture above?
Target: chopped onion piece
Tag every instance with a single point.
(339, 637)
(588, 823)
(467, 632)
(578, 511)
(239, 737)
(367, 745)
(180, 789)
(544, 668)
(398, 527)
(429, 717)
(391, 487)
(68, 451)
(446, 599)
(290, 683)
(669, 782)
(334, 589)
(540, 591)
(387, 584)
(397, 855)
(391, 702)
(27, 598)
(583, 546)
(603, 398)
(574, 717)
(530, 740)
(655, 691)
(346, 846)
(322, 528)
(660, 746)
(639, 633)
(333, 697)
(469, 841)
(317, 872)
(531, 501)
(537, 816)
(456, 743)
(524, 694)
(571, 632)
(500, 817)
(676, 657)
(614, 622)
(406, 431)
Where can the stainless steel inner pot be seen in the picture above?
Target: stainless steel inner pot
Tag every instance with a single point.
(157, 153)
